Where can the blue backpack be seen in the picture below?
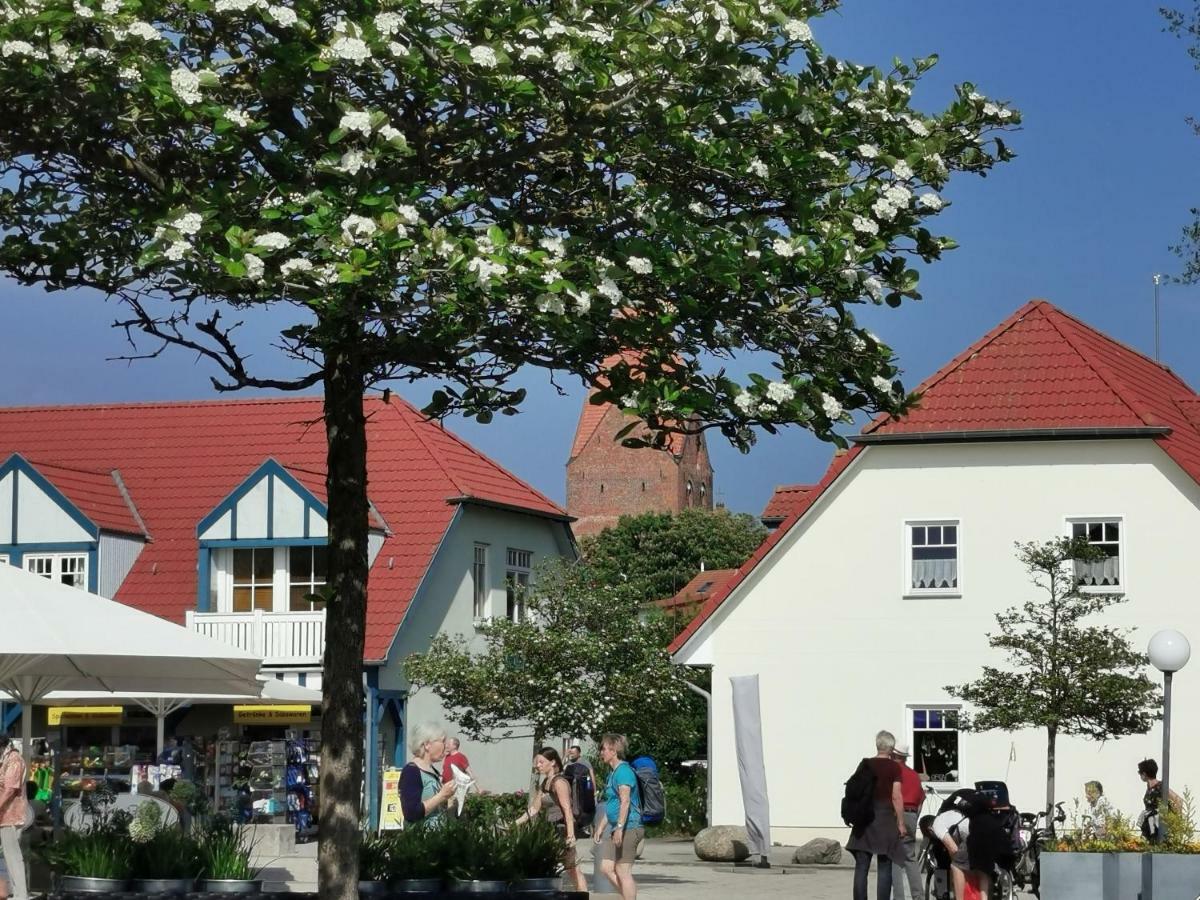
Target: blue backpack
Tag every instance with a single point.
(654, 798)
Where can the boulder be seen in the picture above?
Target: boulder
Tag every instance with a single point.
(819, 851)
(722, 843)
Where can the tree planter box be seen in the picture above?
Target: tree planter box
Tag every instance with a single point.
(1075, 876)
(1170, 876)
(1122, 876)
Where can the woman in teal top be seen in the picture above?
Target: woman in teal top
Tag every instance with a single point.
(422, 793)
(619, 830)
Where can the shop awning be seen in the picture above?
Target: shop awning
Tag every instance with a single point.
(59, 638)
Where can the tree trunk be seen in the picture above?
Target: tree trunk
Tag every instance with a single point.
(1051, 737)
(341, 784)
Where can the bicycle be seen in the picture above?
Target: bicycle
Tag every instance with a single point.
(938, 885)
(1027, 870)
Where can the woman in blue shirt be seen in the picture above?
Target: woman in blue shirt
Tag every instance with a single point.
(620, 828)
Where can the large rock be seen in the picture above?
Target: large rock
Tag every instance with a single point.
(722, 843)
(819, 851)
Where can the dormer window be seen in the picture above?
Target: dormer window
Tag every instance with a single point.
(70, 569)
(307, 567)
(253, 579)
(269, 579)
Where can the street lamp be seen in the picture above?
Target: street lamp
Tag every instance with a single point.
(1169, 652)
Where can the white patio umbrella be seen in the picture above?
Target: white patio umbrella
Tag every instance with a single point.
(59, 638)
(162, 705)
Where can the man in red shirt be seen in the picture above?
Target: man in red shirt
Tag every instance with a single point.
(912, 791)
(454, 757)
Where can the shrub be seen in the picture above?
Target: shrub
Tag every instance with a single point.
(497, 808)
(535, 849)
(416, 852)
(97, 853)
(687, 803)
(374, 858)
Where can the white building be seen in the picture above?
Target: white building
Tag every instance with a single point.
(213, 514)
(881, 587)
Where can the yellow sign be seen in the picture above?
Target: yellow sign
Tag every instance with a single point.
(390, 816)
(272, 715)
(85, 715)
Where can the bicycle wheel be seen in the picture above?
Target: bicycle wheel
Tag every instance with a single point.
(1002, 886)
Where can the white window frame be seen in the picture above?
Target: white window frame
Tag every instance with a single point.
(941, 521)
(517, 569)
(911, 730)
(56, 561)
(1119, 520)
(311, 583)
(281, 580)
(480, 589)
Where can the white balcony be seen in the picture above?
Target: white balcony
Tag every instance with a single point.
(281, 639)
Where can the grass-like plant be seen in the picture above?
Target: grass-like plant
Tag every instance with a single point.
(535, 850)
(98, 853)
(225, 853)
(170, 853)
(416, 852)
(374, 858)
(474, 850)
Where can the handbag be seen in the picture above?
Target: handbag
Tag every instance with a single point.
(30, 817)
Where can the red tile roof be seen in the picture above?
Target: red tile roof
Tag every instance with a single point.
(1041, 369)
(786, 501)
(696, 591)
(593, 414)
(96, 494)
(180, 460)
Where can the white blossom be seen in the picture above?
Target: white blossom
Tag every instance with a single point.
(351, 49)
(397, 49)
(757, 167)
(358, 229)
(129, 74)
(827, 156)
(610, 289)
(188, 223)
(408, 214)
(17, 48)
(884, 209)
(484, 56)
(785, 248)
(780, 392)
(486, 269)
(111, 7)
(273, 240)
(354, 161)
(919, 128)
(388, 22)
(797, 31)
(863, 225)
(898, 195)
(583, 301)
(868, 151)
(84, 12)
(238, 117)
(563, 61)
(178, 250)
(831, 407)
(532, 52)
(746, 402)
(551, 303)
(640, 265)
(554, 245)
(857, 344)
(389, 132)
(874, 288)
(283, 15)
(255, 267)
(144, 30)
(902, 170)
(295, 264)
(930, 200)
(939, 165)
(620, 79)
(186, 85)
(356, 121)
(882, 385)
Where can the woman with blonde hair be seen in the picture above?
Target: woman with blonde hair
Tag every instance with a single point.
(422, 793)
(554, 797)
(620, 827)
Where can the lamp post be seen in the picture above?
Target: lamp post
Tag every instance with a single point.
(1169, 651)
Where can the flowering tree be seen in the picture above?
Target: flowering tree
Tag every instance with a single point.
(454, 189)
(580, 662)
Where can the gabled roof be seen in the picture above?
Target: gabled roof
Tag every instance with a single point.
(696, 591)
(593, 415)
(787, 500)
(1040, 374)
(179, 461)
(97, 494)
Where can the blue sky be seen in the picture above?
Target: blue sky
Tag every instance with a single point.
(1105, 176)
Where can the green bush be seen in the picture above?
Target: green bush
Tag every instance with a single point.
(499, 808)
(373, 857)
(416, 852)
(168, 854)
(687, 803)
(535, 849)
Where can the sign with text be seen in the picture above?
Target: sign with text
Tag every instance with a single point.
(390, 816)
(85, 715)
(286, 714)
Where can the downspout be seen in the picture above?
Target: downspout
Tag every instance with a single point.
(708, 769)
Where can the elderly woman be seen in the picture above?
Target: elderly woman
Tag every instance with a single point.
(422, 793)
(1099, 809)
(882, 837)
(620, 827)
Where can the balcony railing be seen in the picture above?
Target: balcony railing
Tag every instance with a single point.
(285, 638)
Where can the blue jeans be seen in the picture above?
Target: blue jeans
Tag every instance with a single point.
(883, 875)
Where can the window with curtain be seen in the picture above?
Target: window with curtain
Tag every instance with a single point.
(933, 556)
(935, 750)
(1105, 535)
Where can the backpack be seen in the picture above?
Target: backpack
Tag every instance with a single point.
(654, 799)
(858, 800)
(583, 796)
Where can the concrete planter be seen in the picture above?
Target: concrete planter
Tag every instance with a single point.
(1073, 876)
(1122, 876)
(1170, 876)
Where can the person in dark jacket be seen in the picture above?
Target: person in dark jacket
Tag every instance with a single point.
(882, 837)
(422, 793)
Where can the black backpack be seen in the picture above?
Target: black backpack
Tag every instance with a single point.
(858, 801)
(583, 795)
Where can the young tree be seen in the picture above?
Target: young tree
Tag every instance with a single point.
(582, 661)
(454, 189)
(1064, 676)
(652, 555)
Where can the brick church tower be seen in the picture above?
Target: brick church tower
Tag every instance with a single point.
(606, 480)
